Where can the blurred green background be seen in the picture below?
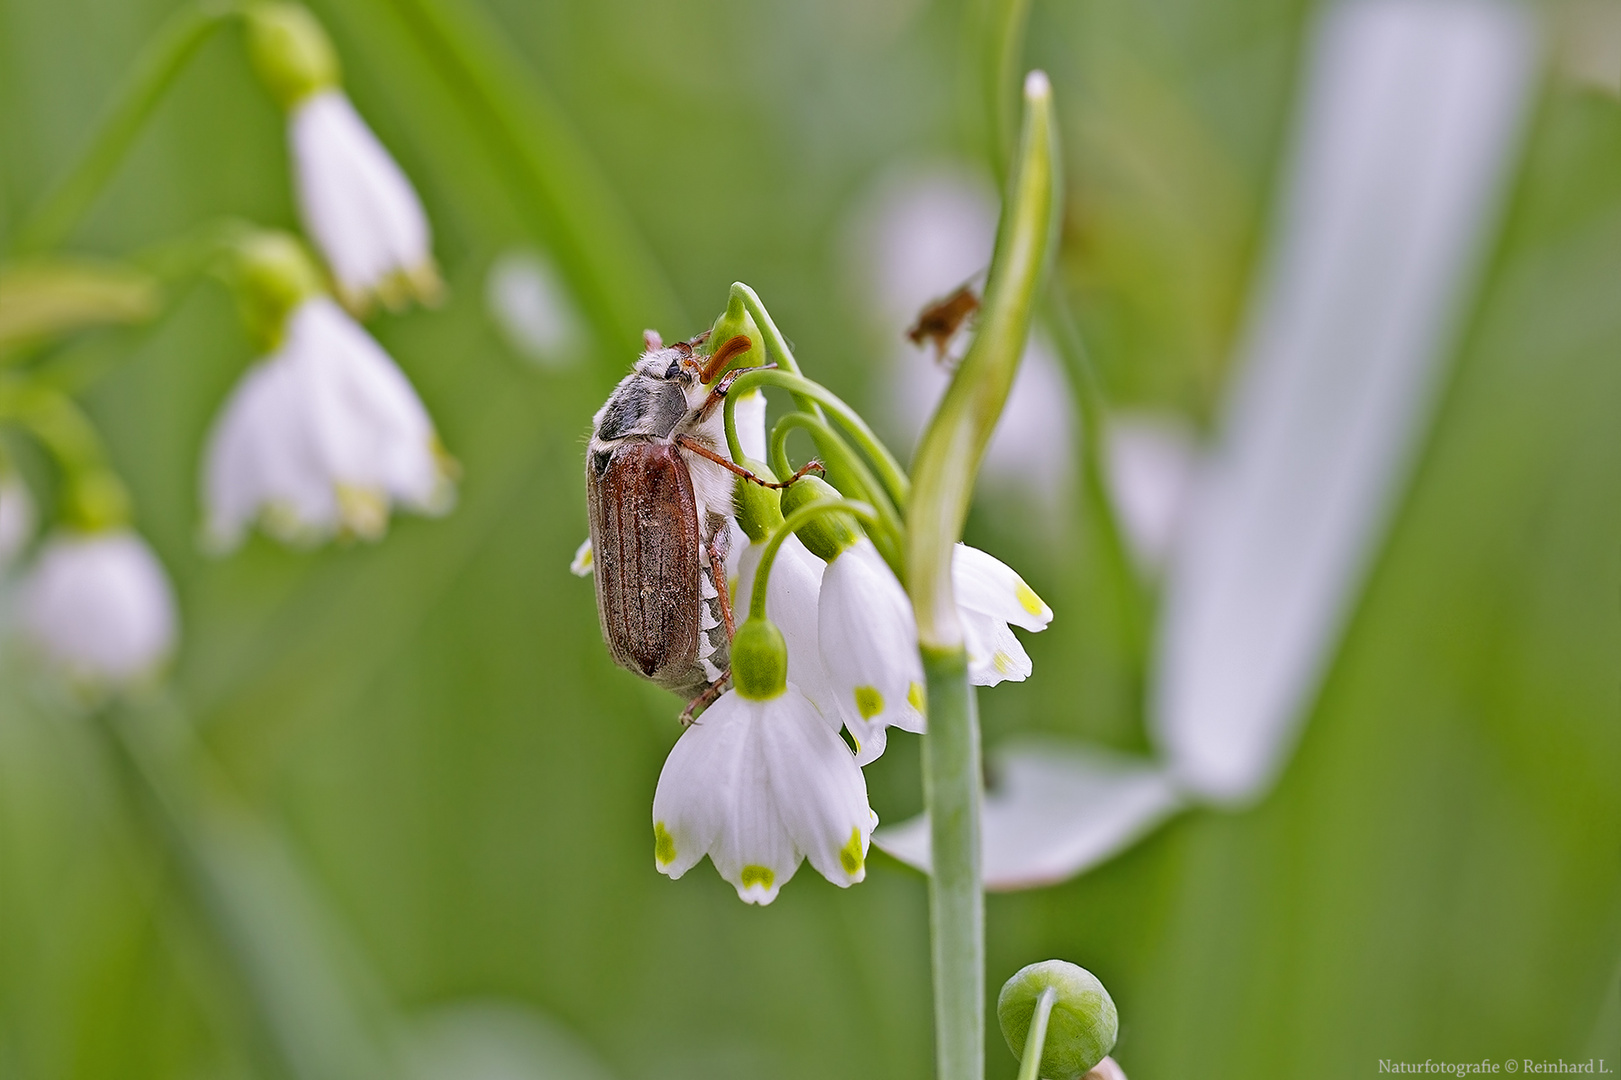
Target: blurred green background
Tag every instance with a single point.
(434, 731)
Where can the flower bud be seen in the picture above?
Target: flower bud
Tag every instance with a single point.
(759, 660)
(1082, 1028)
(758, 508)
(828, 534)
(95, 500)
(273, 274)
(290, 51)
(736, 320)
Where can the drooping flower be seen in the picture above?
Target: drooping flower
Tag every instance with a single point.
(355, 202)
(991, 599)
(760, 783)
(358, 206)
(321, 437)
(791, 604)
(99, 606)
(868, 638)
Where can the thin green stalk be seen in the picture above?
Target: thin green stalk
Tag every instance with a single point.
(776, 346)
(889, 470)
(1035, 1042)
(943, 475)
(801, 517)
(951, 772)
(161, 62)
(831, 446)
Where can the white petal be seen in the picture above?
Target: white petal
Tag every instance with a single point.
(751, 436)
(819, 790)
(583, 561)
(869, 638)
(1057, 810)
(99, 605)
(1107, 1069)
(16, 517)
(994, 653)
(986, 584)
(698, 787)
(1410, 125)
(356, 203)
(791, 603)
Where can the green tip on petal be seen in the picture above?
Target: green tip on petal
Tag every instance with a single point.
(851, 856)
(1029, 600)
(762, 876)
(290, 51)
(1082, 1028)
(914, 697)
(869, 702)
(759, 660)
(663, 844)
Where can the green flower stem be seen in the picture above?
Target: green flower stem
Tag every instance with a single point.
(163, 60)
(800, 517)
(951, 772)
(776, 346)
(888, 469)
(93, 497)
(1030, 1062)
(943, 476)
(831, 446)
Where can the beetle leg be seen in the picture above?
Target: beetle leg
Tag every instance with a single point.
(705, 698)
(704, 452)
(718, 394)
(717, 571)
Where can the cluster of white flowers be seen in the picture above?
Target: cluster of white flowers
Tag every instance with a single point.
(763, 781)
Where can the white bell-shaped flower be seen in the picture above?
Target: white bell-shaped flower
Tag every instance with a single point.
(760, 785)
(791, 604)
(321, 437)
(358, 206)
(868, 637)
(991, 599)
(99, 606)
(16, 517)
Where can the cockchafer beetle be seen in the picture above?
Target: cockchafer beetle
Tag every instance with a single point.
(659, 491)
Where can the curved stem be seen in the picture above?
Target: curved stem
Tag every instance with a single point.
(163, 59)
(776, 346)
(892, 539)
(804, 515)
(1036, 1040)
(889, 470)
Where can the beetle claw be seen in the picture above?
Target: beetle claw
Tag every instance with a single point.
(705, 698)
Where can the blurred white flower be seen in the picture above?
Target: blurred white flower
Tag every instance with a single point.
(1152, 464)
(584, 559)
(16, 517)
(1406, 138)
(1055, 810)
(760, 786)
(868, 638)
(990, 596)
(358, 206)
(529, 301)
(915, 240)
(321, 437)
(99, 606)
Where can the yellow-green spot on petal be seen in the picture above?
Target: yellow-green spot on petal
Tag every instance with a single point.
(850, 856)
(914, 696)
(869, 702)
(663, 844)
(1003, 662)
(762, 876)
(1028, 599)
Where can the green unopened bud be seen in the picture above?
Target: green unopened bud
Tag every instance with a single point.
(733, 321)
(827, 534)
(1083, 1025)
(290, 51)
(759, 660)
(95, 500)
(759, 511)
(273, 274)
